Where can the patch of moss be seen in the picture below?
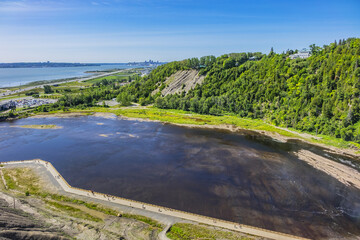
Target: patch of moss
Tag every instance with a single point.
(72, 211)
(144, 219)
(186, 231)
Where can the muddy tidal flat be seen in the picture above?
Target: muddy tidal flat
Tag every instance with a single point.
(243, 177)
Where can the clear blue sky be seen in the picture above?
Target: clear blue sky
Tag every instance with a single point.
(166, 30)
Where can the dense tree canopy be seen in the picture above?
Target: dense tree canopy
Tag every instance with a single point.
(318, 94)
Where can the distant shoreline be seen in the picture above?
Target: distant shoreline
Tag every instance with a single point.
(88, 75)
(45, 65)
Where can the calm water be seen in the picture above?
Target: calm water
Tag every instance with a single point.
(16, 76)
(245, 178)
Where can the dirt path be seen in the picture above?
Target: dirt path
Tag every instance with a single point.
(167, 215)
(3, 179)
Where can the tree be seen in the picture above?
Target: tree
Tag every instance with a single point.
(160, 102)
(317, 94)
(314, 49)
(271, 51)
(229, 63)
(47, 89)
(124, 99)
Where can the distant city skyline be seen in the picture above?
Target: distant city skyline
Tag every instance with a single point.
(121, 31)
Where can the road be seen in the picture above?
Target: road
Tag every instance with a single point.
(150, 209)
(65, 81)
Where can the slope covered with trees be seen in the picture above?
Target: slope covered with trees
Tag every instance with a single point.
(318, 94)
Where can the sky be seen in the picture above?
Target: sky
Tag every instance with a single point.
(167, 30)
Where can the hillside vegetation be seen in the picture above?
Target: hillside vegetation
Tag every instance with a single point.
(319, 94)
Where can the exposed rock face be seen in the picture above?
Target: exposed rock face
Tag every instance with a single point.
(16, 224)
(181, 81)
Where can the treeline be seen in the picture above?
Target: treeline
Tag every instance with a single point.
(88, 97)
(319, 94)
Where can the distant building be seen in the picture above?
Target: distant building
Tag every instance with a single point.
(301, 54)
(253, 58)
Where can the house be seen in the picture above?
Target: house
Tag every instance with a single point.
(301, 54)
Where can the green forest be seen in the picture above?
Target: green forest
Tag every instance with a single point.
(319, 94)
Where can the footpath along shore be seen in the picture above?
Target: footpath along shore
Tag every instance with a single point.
(153, 208)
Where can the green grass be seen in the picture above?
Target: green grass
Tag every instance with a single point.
(13, 97)
(19, 179)
(72, 211)
(92, 206)
(51, 96)
(32, 84)
(24, 180)
(22, 94)
(144, 219)
(74, 84)
(9, 181)
(184, 117)
(186, 231)
(116, 77)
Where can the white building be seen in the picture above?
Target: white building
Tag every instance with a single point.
(302, 54)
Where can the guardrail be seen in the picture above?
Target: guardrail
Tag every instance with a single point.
(158, 209)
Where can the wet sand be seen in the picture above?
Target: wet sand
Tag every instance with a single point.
(39, 126)
(341, 172)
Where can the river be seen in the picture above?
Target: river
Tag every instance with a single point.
(10, 77)
(243, 177)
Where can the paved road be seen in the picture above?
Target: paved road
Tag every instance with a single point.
(65, 81)
(150, 208)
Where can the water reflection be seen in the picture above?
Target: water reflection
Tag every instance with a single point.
(244, 177)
